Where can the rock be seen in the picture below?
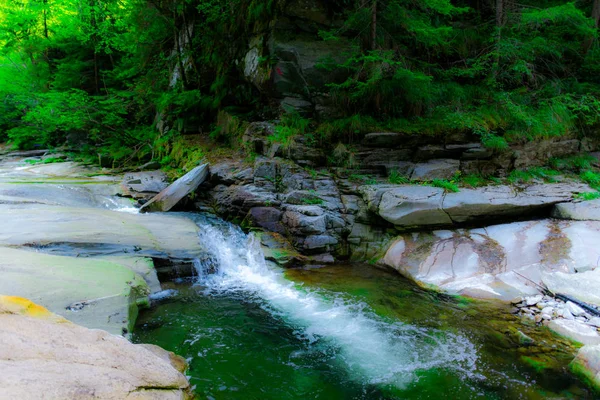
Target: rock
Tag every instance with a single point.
(436, 169)
(524, 339)
(582, 286)
(91, 231)
(391, 139)
(301, 224)
(276, 248)
(145, 184)
(517, 300)
(490, 262)
(587, 365)
(566, 314)
(502, 201)
(98, 293)
(530, 301)
(173, 194)
(266, 217)
(311, 211)
(575, 330)
(594, 321)
(45, 355)
(410, 205)
(582, 211)
(319, 242)
(574, 309)
(548, 311)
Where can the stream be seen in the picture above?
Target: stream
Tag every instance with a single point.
(251, 330)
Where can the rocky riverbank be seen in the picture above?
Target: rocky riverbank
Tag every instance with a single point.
(80, 255)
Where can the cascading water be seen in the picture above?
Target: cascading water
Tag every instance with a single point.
(372, 349)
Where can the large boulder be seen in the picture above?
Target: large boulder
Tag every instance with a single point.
(93, 292)
(587, 365)
(44, 356)
(575, 330)
(501, 261)
(413, 206)
(92, 231)
(173, 194)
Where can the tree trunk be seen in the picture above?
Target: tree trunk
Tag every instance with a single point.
(500, 17)
(374, 25)
(45, 2)
(596, 12)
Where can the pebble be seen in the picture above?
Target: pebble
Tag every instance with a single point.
(517, 300)
(567, 314)
(546, 317)
(547, 311)
(574, 308)
(533, 300)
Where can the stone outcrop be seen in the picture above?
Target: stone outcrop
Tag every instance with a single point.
(408, 206)
(174, 193)
(100, 293)
(45, 356)
(490, 262)
(281, 197)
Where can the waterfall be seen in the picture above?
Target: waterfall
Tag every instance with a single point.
(372, 349)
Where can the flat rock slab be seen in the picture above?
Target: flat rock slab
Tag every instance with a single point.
(582, 211)
(409, 206)
(44, 356)
(175, 192)
(89, 231)
(95, 293)
(484, 262)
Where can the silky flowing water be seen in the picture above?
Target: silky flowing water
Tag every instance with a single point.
(251, 330)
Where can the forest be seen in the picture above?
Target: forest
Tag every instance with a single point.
(124, 80)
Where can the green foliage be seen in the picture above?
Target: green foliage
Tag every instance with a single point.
(576, 163)
(525, 176)
(448, 186)
(587, 196)
(474, 181)
(291, 126)
(591, 178)
(396, 178)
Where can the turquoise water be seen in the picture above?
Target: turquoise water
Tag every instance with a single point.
(254, 331)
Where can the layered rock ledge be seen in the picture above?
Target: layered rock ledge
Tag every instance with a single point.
(44, 356)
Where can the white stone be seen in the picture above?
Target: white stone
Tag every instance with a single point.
(595, 321)
(547, 310)
(567, 314)
(530, 301)
(574, 309)
(575, 330)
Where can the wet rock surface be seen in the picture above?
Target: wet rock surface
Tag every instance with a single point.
(45, 356)
(174, 193)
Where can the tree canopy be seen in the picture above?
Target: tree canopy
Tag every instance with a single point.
(125, 77)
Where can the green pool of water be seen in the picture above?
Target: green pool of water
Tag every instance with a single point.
(241, 347)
